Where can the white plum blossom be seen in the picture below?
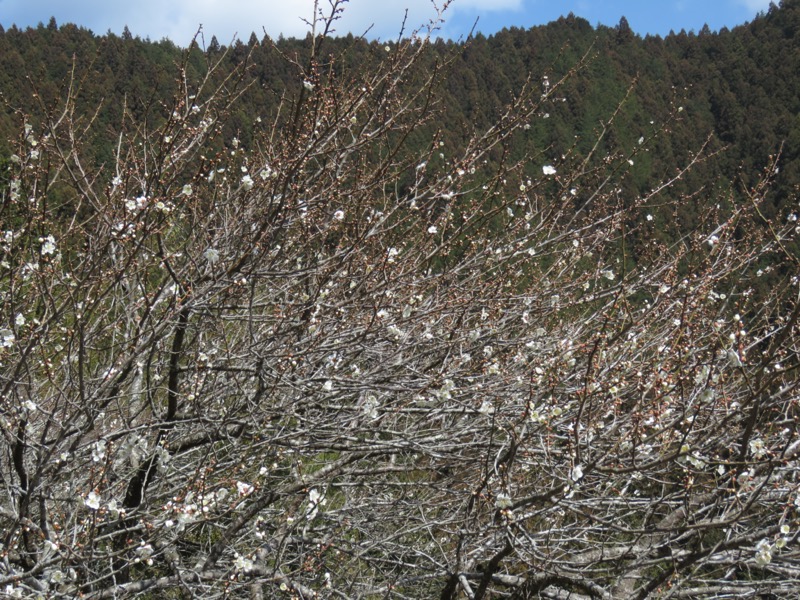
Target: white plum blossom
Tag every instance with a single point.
(48, 245)
(144, 553)
(187, 189)
(136, 204)
(697, 461)
(56, 576)
(211, 255)
(486, 408)
(338, 215)
(370, 406)
(577, 473)
(503, 501)
(308, 85)
(14, 189)
(19, 320)
(267, 173)
(433, 229)
(549, 170)
(242, 563)
(92, 500)
(763, 553)
(244, 489)
(247, 182)
(98, 450)
(758, 448)
(733, 358)
(395, 331)
(115, 510)
(314, 502)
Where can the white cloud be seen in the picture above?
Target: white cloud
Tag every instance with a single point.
(178, 20)
(755, 5)
(289, 17)
(229, 18)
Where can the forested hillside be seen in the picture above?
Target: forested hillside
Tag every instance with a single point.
(739, 87)
(514, 317)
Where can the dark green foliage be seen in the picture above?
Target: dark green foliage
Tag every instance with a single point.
(740, 87)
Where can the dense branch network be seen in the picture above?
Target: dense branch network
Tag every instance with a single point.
(326, 366)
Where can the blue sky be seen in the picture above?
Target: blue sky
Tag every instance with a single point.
(179, 19)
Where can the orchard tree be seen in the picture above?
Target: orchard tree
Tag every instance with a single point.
(328, 364)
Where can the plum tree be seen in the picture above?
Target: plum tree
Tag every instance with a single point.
(327, 364)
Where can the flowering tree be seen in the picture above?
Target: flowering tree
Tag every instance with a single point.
(326, 366)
